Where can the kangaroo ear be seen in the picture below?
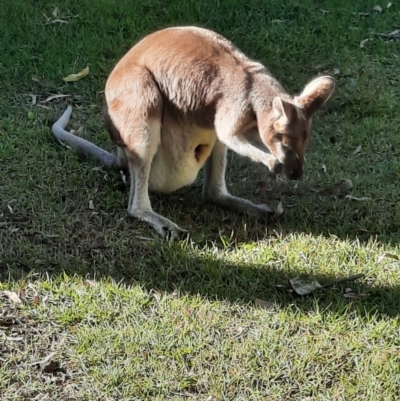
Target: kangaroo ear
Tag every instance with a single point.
(283, 109)
(285, 114)
(315, 94)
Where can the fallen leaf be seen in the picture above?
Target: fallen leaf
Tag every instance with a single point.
(362, 199)
(91, 205)
(387, 255)
(324, 168)
(304, 285)
(363, 42)
(10, 208)
(50, 98)
(13, 296)
(78, 76)
(377, 8)
(55, 12)
(336, 71)
(389, 5)
(278, 212)
(358, 150)
(264, 304)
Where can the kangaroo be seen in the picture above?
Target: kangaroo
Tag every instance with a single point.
(178, 100)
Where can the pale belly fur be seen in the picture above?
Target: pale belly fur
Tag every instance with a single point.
(181, 154)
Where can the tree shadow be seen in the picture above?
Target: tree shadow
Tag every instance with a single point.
(169, 267)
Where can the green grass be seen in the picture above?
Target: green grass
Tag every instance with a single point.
(135, 319)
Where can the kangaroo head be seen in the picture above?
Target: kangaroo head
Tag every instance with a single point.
(288, 133)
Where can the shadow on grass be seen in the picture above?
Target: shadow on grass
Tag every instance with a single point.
(99, 252)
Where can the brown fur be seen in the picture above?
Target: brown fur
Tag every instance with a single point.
(181, 96)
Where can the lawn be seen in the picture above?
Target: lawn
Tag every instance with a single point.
(94, 306)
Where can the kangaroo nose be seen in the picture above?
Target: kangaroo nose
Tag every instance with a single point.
(295, 174)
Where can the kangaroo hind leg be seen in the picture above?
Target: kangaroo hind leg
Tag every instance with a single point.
(138, 120)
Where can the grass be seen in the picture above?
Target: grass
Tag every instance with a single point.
(134, 319)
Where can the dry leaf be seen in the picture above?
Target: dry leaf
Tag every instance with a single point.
(264, 304)
(363, 42)
(358, 150)
(55, 12)
(91, 205)
(336, 71)
(324, 168)
(389, 5)
(387, 255)
(10, 209)
(362, 199)
(78, 76)
(378, 8)
(304, 285)
(13, 296)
